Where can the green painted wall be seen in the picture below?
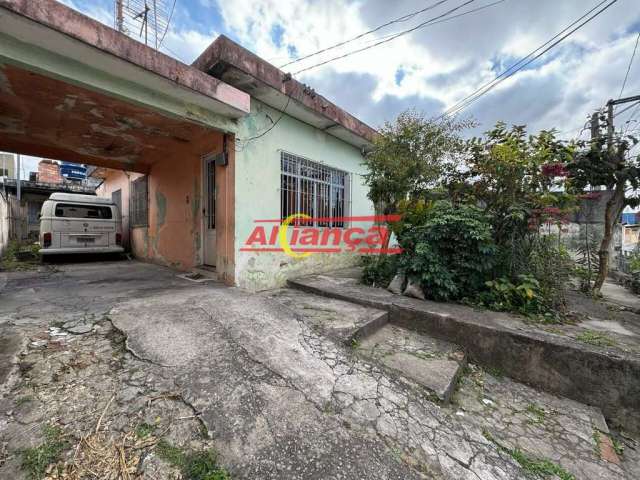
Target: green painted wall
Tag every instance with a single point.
(258, 191)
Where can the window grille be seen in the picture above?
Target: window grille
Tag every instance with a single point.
(139, 203)
(313, 189)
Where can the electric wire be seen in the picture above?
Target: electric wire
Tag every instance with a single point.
(528, 59)
(400, 34)
(404, 18)
(626, 76)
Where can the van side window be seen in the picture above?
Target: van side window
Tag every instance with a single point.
(69, 210)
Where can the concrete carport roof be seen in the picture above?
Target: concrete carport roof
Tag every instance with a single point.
(72, 88)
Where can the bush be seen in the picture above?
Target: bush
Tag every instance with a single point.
(379, 270)
(523, 297)
(452, 254)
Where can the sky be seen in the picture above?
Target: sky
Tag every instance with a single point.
(433, 67)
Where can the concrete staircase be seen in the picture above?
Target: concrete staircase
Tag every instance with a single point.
(521, 418)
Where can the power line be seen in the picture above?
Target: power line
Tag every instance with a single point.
(405, 32)
(173, 7)
(528, 59)
(626, 76)
(391, 37)
(627, 108)
(245, 141)
(404, 18)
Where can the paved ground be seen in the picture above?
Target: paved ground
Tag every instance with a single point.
(113, 347)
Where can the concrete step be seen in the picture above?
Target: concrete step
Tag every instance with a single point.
(343, 321)
(431, 363)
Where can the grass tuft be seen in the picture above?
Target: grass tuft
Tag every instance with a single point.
(595, 338)
(202, 465)
(36, 460)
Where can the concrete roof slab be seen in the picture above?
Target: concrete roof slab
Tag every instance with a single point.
(50, 27)
(230, 62)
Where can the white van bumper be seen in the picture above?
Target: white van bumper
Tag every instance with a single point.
(61, 251)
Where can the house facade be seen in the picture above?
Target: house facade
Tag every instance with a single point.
(294, 152)
(197, 156)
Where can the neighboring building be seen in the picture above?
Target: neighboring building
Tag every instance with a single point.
(49, 171)
(19, 220)
(296, 152)
(7, 165)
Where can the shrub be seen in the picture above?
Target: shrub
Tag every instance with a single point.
(379, 270)
(523, 297)
(451, 255)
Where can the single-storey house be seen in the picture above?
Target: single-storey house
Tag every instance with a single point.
(294, 152)
(206, 160)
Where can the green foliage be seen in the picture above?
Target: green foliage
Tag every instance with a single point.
(20, 257)
(379, 270)
(36, 460)
(523, 297)
(410, 156)
(451, 254)
(201, 465)
(505, 173)
(595, 338)
(587, 261)
(539, 468)
(545, 259)
(144, 430)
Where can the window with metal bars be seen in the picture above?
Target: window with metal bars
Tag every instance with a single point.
(139, 202)
(313, 189)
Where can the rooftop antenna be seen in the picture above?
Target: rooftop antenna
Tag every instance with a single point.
(148, 19)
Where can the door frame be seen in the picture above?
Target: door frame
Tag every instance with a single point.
(203, 199)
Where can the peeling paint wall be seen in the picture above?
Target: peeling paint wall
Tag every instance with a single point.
(173, 234)
(258, 192)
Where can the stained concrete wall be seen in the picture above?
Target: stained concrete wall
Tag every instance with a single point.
(258, 191)
(173, 234)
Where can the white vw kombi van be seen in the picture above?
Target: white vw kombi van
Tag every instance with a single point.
(73, 223)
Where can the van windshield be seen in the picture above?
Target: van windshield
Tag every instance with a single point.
(69, 210)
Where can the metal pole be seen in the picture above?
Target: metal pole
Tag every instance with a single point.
(609, 125)
(18, 178)
(18, 217)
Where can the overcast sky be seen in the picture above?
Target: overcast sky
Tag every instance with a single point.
(434, 67)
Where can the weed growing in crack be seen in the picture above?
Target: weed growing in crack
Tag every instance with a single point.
(598, 443)
(617, 446)
(541, 468)
(355, 344)
(595, 338)
(201, 465)
(36, 460)
(538, 413)
(144, 430)
(23, 400)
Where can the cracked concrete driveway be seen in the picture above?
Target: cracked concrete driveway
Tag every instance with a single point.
(279, 399)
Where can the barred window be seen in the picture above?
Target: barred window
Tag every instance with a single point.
(139, 202)
(313, 189)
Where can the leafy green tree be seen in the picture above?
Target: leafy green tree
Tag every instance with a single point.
(517, 179)
(409, 158)
(608, 163)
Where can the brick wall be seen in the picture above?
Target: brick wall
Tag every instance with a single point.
(49, 172)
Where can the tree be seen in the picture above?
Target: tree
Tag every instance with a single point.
(517, 179)
(409, 157)
(608, 162)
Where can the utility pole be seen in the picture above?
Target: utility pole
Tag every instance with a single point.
(610, 116)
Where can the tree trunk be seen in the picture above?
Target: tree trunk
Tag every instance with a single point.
(611, 215)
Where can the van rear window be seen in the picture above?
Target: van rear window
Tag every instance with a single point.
(69, 210)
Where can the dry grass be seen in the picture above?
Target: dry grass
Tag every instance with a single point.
(100, 456)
